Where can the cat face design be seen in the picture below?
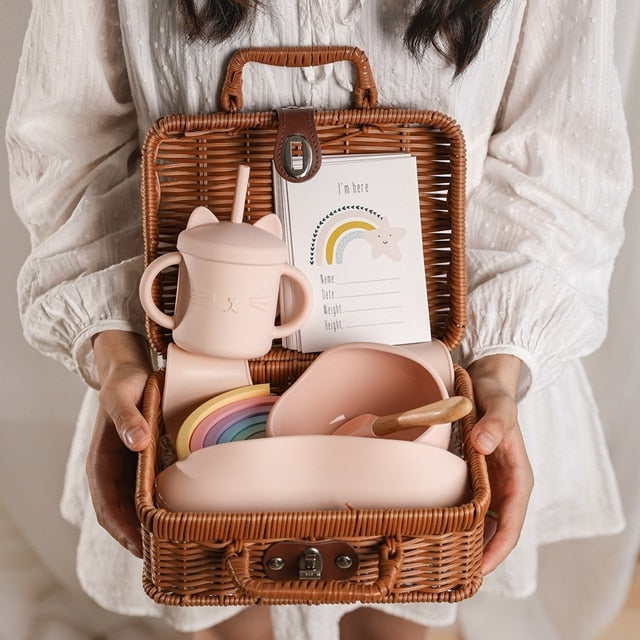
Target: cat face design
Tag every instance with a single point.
(227, 302)
(233, 299)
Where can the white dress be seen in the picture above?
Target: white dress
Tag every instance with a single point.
(548, 180)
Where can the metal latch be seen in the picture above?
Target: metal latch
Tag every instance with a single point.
(296, 167)
(297, 155)
(310, 564)
(318, 560)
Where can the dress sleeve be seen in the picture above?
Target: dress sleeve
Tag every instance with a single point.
(545, 223)
(73, 150)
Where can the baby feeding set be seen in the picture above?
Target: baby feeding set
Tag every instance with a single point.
(275, 475)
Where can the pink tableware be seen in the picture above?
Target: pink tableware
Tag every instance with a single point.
(300, 473)
(359, 378)
(371, 426)
(228, 283)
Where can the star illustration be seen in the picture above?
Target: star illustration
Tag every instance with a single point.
(384, 240)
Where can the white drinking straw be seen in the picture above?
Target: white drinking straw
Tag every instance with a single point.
(240, 195)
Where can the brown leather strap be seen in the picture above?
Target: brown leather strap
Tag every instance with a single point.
(297, 154)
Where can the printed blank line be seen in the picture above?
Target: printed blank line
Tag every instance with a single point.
(367, 295)
(396, 306)
(372, 324)
(395, 279)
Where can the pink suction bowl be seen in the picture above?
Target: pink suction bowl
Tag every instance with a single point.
(356, 378)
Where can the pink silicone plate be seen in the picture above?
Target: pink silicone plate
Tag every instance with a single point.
(313, 472)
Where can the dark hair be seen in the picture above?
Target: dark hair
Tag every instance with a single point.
(455, 28)
(218, 19)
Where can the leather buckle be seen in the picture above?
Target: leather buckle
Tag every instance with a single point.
(297, 154)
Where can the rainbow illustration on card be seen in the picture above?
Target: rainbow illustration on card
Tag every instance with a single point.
(339, 228)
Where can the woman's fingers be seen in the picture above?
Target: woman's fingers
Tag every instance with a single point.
(123, 363)
(511, 480)
(120, 396)
(494, 426)
(111, 469)
(123, 366)
(497, 435)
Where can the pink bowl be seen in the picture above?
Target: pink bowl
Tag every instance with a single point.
(356, 378)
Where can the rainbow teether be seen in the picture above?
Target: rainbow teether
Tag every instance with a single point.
(245, 429)
(213, 429)
(183, 438)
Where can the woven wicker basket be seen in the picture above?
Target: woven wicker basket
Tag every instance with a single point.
(405, 555)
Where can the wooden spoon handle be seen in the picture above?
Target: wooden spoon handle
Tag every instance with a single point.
(447, 410)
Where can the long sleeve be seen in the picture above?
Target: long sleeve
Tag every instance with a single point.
(72, 142)
(545, 222)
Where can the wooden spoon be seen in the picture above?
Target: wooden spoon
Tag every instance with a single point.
(370, 425)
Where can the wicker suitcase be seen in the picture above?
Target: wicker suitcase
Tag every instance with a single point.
(403, 555)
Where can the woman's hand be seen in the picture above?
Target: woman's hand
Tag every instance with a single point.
(497, 435)
(123, 365)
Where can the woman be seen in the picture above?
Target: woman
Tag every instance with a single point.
(532, 85)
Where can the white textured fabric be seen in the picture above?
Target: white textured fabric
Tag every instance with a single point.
(548, 179)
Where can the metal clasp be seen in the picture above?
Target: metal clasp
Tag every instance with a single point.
(297, 154)
(288, 560)
(297, 167)
(310, 564)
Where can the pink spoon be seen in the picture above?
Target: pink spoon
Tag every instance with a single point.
(369, 425)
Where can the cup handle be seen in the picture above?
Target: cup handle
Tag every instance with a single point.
(304, 302)
(146, 288)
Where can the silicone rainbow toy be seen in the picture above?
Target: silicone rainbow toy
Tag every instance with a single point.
(238, 414)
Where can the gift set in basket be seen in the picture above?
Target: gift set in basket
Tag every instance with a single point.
(258, 526)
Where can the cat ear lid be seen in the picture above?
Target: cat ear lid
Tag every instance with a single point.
(202, 215)
(199, 216)
(270, 223)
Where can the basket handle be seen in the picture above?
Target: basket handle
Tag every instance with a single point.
(365, 92)
(237, 562)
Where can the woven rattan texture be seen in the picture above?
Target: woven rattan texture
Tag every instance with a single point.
(191, 161)
(405, 555)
